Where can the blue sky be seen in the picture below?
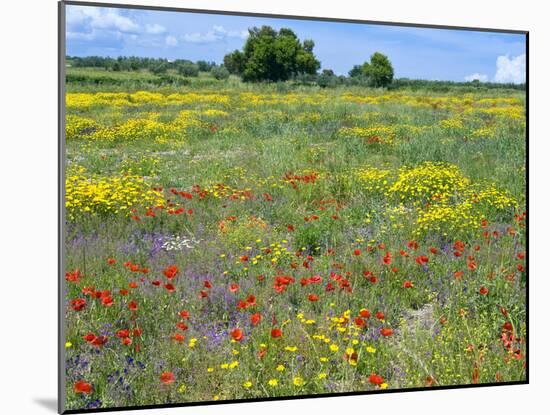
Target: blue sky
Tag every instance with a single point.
(437, 54)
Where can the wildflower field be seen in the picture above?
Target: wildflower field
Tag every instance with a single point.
(231, 241)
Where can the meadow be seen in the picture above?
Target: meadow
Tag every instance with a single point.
(229, 241)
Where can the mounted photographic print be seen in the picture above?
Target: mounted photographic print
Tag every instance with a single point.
(258, 207)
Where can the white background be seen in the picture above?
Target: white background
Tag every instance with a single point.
(28, 189)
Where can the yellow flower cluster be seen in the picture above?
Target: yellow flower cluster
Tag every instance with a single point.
(429, 181)
(488, 196)
(78, 127)
(94, 195)
(377, 134)
(82, 100)
(133, 129)
(454, 123)
(373, 179)
(448, 220)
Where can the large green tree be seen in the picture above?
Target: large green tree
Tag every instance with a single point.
(379, 71)
(271, 55)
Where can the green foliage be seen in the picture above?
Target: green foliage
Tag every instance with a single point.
(160, 68)
(379, 71)
(188, 69)
(271, 55)
(219, 72)
(234, 62)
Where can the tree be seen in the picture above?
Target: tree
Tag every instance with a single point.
(205, 66)
(234, 62)
(379, 71)
(327, 78)
(356, 72)
(188, 69)
(219, 72)
(270, 55)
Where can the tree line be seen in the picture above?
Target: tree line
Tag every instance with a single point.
(270, 55)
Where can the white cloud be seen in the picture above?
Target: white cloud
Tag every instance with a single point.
(171, 41)
(479, 76)
(217, 33)
(155, 29)
(510, 69)
(99, 18)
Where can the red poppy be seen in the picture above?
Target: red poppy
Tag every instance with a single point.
(88, 291)
(276, 333)
(434, 251)
(429, 381)
(132, 305)
(484, 291)
(237, 334)
(126, 341)
(233, 287)
(203, 294)
(111, 261)
(255, 318)
(386, 332)
(78, 304)
(312, 297)
(243, 258)
(458, 274)
(413, 245)
(408, 284)
(207, 284)
(359, 322)
(89, 337)
(170, 288)
(422, 260)
(82, 387)
(167, 378)
(178, 337)
(507, 326)
(133, 284)
(387, 258)
(123, 333)
(184, 314)
(107, 301)
(171, 271)
(459, 246)
(99, 341)
(156, 283)
(123, 291)
(290, 228)
(251, 300)
(376, 379)
(364, 313)
(356, 252)
(182, 326)
(73, 276)
(380, 315)
(137, 332)
(521, 255)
